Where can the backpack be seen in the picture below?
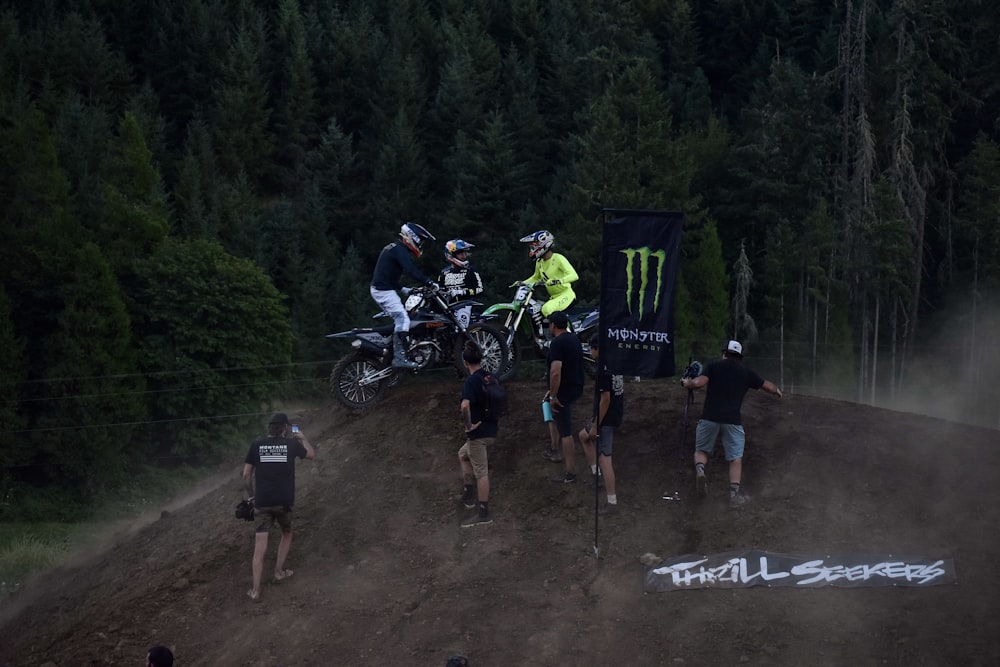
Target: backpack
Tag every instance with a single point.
(495, 406)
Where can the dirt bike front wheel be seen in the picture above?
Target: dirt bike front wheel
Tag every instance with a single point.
(493, 344)
(513, 360)
(350, 381)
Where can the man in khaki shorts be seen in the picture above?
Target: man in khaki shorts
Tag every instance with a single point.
(480, 433)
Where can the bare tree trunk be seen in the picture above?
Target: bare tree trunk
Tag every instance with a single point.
(815, 331)
(742, 320)
(863, 357)
(878, 302)
(781, 342)
(975, 304)
(893, 321)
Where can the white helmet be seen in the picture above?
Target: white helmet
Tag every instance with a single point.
(539, 243)
(413, 235)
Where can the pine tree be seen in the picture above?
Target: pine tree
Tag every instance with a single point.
(71, 316)
(82, 134)
(240, 111)
(399, 184)
(135, 214)
(195, 194)
(89, 384)
(702, 296)
(294, 119)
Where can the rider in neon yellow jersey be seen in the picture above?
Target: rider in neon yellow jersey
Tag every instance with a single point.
(553, 269)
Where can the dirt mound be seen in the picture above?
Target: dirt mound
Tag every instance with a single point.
(385, 575)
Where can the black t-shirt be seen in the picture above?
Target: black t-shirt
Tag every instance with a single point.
(615, 386)
(474, 391)
(566, 348)
(728, 382)
(273, 459)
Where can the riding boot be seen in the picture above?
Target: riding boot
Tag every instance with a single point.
(399, 359)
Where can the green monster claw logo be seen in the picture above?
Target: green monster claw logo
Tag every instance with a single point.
(644, 254)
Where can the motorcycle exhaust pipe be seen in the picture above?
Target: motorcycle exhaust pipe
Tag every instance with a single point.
(369, 347)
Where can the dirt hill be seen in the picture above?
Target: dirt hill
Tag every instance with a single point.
(384, 575)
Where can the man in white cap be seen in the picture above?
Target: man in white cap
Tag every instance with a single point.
(727, 381)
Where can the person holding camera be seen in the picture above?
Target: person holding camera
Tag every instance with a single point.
(727, 381)
(270, 463)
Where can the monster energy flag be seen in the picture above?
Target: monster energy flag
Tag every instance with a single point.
(638, 278)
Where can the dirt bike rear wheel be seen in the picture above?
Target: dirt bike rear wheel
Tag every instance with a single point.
(345, 382)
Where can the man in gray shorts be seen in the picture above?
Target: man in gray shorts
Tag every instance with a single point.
(728, 381)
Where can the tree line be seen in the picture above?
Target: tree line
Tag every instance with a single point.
(193, 192)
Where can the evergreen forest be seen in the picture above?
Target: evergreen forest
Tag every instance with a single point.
(194, 192)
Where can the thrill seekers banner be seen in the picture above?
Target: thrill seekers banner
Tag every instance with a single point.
(639, 260)
(744, 569)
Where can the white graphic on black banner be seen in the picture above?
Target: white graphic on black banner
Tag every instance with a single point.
(640, 251)
(761, 568)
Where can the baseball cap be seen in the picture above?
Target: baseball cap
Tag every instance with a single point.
(279, 418)
(734, 347)
(560, 319)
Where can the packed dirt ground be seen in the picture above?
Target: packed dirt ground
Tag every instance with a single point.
(384, 575)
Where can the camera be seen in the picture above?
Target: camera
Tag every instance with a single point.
(295, 428)
(244, 510)
(692, 371)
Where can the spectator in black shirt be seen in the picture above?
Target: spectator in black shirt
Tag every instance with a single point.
(271, 463)
(728, 381)
(480, 433)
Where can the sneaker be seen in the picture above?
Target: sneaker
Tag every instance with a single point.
(610, 509)
(553, 455)
(738, 500)
(600, 480)
(469, 498)
(565, 478)
(701, 483)
(478, 520)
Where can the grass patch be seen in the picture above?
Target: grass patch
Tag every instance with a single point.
(26, 548)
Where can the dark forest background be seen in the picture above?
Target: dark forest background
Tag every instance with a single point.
(193, 192)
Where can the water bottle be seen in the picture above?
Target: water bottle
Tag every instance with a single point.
(547, 409)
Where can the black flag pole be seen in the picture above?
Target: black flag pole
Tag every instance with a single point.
(597, 452)
(693, 370)
(676, 495)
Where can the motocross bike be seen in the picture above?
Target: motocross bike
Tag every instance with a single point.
(438, 331)
(521, 322)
